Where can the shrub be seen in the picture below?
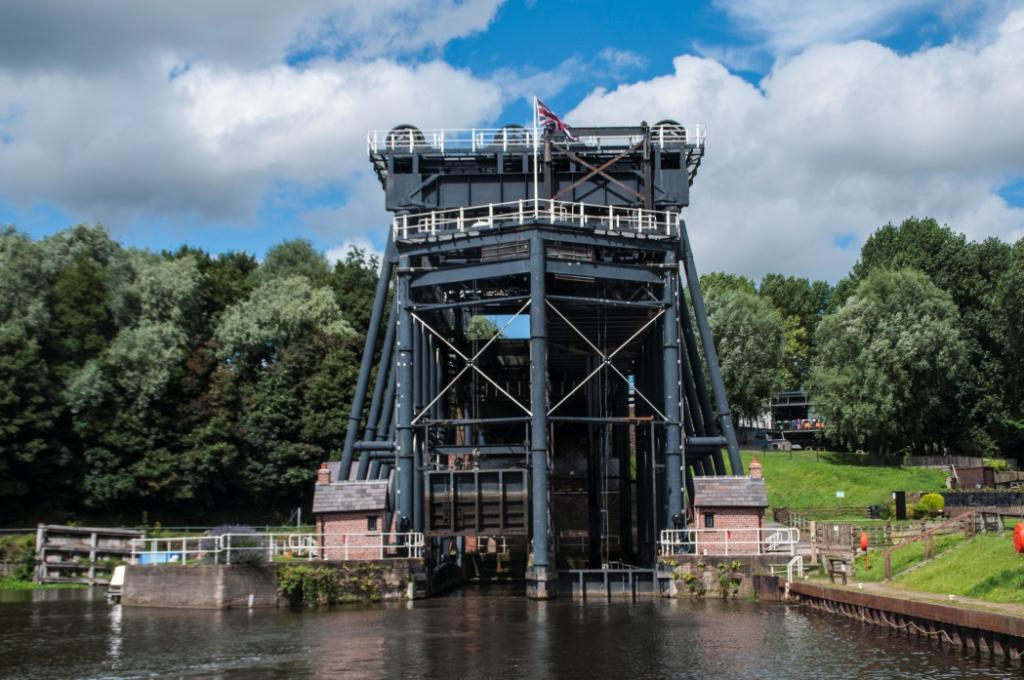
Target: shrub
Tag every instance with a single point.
(694, 584)
(301, 584)
(19, 551)
(930, 505)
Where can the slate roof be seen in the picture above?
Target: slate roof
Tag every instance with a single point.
(351, 496)
(728, 492)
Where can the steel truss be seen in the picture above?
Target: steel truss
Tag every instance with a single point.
(612, 370)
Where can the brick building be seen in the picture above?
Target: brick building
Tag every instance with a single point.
(349, 516)
(729, 513)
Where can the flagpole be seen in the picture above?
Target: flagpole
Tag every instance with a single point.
(536, 193)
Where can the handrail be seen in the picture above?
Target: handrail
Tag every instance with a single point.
(738, 541)
(798, 563)
(310, 546)
(622, 219)
(476, 140)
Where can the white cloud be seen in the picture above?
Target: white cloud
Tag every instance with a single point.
(841, 139)
(108, 34)
(791, 25)
(119, 140)
(340, 251)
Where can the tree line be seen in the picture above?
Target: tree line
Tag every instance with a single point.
(189, 385)
(178, 384)
(918, 349)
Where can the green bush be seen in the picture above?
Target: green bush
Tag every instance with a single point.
(930, 505)
(20, 551)
(301, 584)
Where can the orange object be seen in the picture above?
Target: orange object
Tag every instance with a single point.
(1018, 538)
(864, 541)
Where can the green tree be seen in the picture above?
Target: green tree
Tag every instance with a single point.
(481, 328)
(888, 365)
(354, 281)
(802, 304)
(970, 273)
(297, 257)
(749, 336)
(279, 310)
(723, 281)
(1010, 302)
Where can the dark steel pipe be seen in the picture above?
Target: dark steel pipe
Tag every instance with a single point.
(356, 414)
(670, 368)
(708, 343)
(404, 397)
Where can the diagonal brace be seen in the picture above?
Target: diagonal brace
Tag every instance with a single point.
(599, 170)
(470, 363)
(606, 360)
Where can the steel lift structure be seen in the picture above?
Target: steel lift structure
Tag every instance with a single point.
(545, 373)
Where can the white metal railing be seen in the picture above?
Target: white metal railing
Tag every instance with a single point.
(474, 140)
(723, 542)
(797, 564)
(491, 215)
(310, 546)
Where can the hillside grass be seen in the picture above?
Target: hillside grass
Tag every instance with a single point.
(986, 568)
(903, 558)
(810, 479)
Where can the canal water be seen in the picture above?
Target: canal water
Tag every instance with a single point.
(482, 633)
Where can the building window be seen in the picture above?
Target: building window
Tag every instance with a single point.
(709, 520)
(371, 523)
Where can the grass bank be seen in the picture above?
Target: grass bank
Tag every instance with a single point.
(810, 479)
(903, 558)
(986, 568)
(21, 584)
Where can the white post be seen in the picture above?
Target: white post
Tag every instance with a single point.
(184, 555)
(520, 211)
(473, 139)
(490, 214)
(462, 217)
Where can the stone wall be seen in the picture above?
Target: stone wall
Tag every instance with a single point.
(209, 586)
(200, 586)
(751, 575)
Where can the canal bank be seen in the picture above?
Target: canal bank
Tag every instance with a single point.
(980, 630)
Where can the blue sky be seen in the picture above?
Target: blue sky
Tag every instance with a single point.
(235, 126)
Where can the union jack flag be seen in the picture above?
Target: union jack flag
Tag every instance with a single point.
(547, 119)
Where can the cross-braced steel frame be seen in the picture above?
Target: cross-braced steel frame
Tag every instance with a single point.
(611, 379)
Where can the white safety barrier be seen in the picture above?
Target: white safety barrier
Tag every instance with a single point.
(723, 542)
(619, 219)
(478, 140)
(224, 548)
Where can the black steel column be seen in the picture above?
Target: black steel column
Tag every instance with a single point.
(356, 414)
(670, 365)
(708, 343)
(404, 395)
(540, 574)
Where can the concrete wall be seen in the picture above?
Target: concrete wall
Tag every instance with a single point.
(201, 586)
(210, 586)
(752, 573)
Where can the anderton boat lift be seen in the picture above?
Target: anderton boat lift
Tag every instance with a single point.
(570, 436)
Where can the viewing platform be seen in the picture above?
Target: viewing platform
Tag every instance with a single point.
(608, 219)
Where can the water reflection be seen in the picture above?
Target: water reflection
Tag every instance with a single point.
(478, 633)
